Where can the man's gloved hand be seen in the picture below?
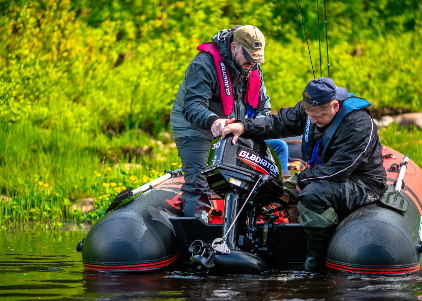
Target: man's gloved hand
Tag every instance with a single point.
(218, 126)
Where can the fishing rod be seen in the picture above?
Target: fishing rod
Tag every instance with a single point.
(319, 38)
(306, 37)
(326, 41)
(319, 41)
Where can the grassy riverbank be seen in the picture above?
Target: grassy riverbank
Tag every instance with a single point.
(49, 171)
(88, 88)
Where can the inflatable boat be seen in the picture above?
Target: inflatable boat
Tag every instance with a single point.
(249, 229)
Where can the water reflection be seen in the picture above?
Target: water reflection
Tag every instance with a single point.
(40, 263)
(287, 285)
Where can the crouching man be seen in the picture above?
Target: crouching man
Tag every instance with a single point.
(341, 144)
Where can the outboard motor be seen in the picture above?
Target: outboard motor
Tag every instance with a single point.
(248, 176)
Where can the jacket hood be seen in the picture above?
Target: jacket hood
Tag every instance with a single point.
(223, 40)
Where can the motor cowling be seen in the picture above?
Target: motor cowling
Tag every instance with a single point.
(239, 166)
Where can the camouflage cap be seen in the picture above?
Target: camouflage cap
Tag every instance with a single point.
(252, 41)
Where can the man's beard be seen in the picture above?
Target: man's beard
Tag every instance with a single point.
(243, 73)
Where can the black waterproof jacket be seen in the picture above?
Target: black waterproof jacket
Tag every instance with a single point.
(355, 151)
(198, 102)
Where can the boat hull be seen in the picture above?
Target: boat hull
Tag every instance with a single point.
(380, 239)
(137, 236)
(149, 233)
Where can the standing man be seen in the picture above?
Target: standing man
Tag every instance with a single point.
(340, 141)
(222, 83)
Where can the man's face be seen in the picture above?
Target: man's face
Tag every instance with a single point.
(322, 117)
(239, 59)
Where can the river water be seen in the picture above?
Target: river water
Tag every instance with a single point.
(37, 263)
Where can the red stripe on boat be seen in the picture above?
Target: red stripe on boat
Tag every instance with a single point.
(372, 271)
(143, 266)
(175, 180)
(170, 186)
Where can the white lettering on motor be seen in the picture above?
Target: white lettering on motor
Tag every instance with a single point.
(216, 145)
(259, 160)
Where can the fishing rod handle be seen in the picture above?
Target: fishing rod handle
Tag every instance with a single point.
(147, 186)
(402, 172)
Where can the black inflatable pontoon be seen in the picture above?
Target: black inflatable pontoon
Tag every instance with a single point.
(249, 229)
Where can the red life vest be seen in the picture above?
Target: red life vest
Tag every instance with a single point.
(252, 88)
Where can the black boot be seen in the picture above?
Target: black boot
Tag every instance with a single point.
(196, 205)
(316, 249)
(319, 228)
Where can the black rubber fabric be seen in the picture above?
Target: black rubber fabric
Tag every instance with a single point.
(317, 245)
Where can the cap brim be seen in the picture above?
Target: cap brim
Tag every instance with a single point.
(249, 57)
(307, 100)
(341, 93)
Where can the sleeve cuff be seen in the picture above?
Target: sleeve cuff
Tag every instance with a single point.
(302, 184)
(245, 125)
(211, 120)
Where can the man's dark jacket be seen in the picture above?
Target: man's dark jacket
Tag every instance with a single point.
(355, 151)
(198, 102)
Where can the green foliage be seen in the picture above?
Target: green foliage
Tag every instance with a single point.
(78, 79)
(385, 73)
(44, 171)
(347, 20)
(117, 65)
(408, 141)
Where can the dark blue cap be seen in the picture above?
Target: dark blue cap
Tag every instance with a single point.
(323, 90)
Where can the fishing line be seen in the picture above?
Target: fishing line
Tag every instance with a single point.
(326, 39)
(306, 37)
(319, 41)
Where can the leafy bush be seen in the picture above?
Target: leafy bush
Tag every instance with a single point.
(80, 78)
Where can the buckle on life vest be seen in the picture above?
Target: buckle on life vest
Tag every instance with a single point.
(314, 159)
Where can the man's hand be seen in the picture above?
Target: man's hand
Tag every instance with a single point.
(235, 128)
(218, 126)
(298, 189)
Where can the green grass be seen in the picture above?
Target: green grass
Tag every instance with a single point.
(44, 171)
(408, 141)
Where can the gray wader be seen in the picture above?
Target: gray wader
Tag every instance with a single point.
(320, 204)
(193, 152)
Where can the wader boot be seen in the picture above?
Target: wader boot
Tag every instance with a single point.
(196, 205)
(319, 228)
(291, 196)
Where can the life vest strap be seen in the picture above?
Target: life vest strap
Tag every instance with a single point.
(314, 159)
(226, 91)
(349, 105)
